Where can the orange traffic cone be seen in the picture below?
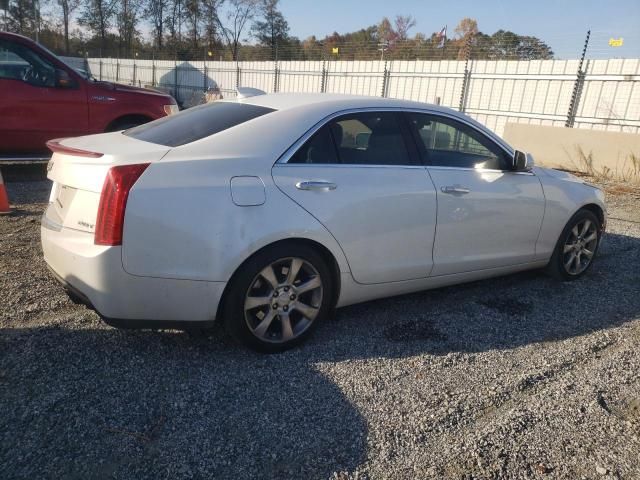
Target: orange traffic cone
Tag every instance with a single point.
(4, 198)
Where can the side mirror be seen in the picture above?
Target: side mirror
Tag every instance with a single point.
(522, 162)
(63, 79)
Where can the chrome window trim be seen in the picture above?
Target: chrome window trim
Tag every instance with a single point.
(348, 165)
(286, 156)
(481, 170)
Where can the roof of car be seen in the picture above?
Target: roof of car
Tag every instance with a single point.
(15, 36)
(284, 101)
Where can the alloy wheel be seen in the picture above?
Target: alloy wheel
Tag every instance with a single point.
(580, 247)
(283, 300)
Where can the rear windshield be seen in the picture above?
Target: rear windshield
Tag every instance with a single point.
(196, 123)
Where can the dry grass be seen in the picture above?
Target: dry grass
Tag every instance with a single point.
(627, 171)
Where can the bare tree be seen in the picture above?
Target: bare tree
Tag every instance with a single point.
(155, 11)
(193, 18)
(174, 20)
(239, 13)
(126, 22)
(97, 15)
(22, 18)
(67, 7)
(404, 23)
(210, 12)
(467, 31)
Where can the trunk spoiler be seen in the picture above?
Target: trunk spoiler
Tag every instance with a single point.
(56, 147)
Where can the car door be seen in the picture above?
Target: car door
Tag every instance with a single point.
(41, 101)
(488, 215)
(359, 177)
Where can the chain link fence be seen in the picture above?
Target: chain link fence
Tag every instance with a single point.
(494, 83)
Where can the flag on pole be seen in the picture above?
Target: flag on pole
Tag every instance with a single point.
(442, 37)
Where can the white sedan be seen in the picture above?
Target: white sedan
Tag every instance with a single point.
(269, 211)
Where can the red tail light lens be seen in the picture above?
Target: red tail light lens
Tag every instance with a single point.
(113, 201)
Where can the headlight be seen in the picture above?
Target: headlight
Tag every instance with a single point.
(171, 109)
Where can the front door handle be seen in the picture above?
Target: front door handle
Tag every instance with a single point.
(316, 185)
(453, 189)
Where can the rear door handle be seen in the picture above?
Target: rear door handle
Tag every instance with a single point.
(453, 189)
(316, 185)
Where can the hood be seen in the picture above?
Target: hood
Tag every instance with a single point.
(118, 87)
(560, 174)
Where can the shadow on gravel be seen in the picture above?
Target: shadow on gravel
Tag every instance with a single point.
(500, 313)
(103, 403)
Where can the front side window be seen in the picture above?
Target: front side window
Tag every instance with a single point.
(367, 138)
(18, 62)
(448, 143)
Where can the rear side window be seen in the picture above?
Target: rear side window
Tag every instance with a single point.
(318, 149)
(196, 123)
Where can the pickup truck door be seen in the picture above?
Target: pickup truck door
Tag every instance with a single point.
(39, 101)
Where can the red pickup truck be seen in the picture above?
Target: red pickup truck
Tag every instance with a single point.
(42, 98)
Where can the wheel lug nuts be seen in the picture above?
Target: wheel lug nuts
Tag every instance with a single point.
(275, 306)
(292, 297)
(286, 308)
(286, 289)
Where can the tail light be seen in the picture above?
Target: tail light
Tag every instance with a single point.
(113, 201)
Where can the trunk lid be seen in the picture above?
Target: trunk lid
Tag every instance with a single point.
(78, 168)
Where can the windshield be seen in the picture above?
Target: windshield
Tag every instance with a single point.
(196, 123)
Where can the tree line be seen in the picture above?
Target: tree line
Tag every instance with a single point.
(241, 29)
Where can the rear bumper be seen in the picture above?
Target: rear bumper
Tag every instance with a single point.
(93, 275)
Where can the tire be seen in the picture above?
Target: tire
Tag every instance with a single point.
(267, 310)
(560, 265)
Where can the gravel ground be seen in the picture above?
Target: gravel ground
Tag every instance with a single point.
(517, 377)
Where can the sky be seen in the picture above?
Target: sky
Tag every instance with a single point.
(561, 23)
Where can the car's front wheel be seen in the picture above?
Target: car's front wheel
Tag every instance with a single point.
(576, 247)
(277, 297)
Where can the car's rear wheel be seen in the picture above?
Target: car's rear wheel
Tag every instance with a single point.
(277, 297)
(576, 247)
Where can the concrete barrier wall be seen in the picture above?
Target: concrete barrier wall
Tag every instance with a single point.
(599, 153)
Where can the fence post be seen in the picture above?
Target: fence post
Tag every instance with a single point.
(386, 76)
(117, 69)
(153, 69)
(100, 71)
(465, 80)
(577, 86)
(323, 79)
(134, 72)
(86, 61)
(276, 74)
(175, 75)
(238, 73)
